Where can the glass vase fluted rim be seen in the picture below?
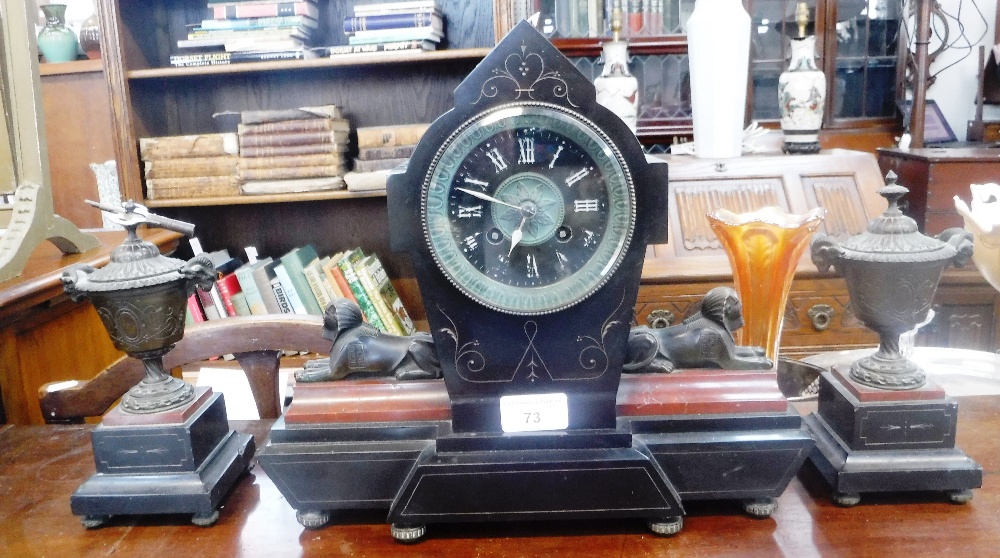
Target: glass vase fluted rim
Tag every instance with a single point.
(770, 215)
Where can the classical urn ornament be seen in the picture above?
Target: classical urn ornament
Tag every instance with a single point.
(617, 89)
(892, 272)
(801, 91)
(141, 297)
(983, 221)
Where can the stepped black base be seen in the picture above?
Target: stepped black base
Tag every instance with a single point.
(898, 445)
(423, 473)
(187, 467)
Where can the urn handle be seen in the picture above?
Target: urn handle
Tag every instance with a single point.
(825, 252)
(75, 281)
(961, 239)
(199, 272)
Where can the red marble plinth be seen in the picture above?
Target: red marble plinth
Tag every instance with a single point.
(350, 401)
(929, 391)
(693, 392)
(118, 417)
(679, 393)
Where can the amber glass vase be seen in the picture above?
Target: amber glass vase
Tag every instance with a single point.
(764, 247)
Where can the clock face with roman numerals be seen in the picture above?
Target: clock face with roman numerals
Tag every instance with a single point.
(528, 208)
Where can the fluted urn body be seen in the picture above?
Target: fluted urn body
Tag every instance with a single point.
(892, 272)
(141, 297)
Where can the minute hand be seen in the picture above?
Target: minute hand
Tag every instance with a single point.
(487, 197)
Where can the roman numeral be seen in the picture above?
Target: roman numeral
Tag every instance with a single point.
(481, 183)
(577, 176)
(469, 211)
(471, 242)
(581, 206)
(497, 159)
(526, 147)
(555, 156)
(532, 266)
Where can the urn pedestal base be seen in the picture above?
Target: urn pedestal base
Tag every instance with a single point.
(389, 445)
(180, 461)
(870, 440)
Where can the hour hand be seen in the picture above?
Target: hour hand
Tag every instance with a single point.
(487, 197)
(515, 237)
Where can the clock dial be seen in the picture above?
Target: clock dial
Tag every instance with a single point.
(528, 208)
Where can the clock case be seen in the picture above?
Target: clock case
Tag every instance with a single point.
(431, 455)
(486, 354)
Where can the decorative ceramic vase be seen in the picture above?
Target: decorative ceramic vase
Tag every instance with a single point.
(983, 221)
(617, 89)
(57, 42)
(764, 247)
(141, 297)
(90, 37)
(892, 272)
(718, 35)
(802, 92)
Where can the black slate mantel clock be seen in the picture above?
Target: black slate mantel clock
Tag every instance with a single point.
(527, 210)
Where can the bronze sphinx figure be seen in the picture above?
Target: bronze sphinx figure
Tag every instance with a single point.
(360, 350)
(703, 340)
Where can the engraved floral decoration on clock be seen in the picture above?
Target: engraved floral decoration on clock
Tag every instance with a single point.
(520, 75)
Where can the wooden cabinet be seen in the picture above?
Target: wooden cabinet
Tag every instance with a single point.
(818, 315)
(935, 176)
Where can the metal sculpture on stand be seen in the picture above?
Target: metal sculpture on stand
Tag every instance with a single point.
(167, 447)
(883, 426)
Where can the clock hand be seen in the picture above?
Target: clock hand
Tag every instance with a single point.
(515, 237)
(487, 197)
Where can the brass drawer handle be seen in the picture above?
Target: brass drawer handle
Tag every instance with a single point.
(821, 316)
(660, 318)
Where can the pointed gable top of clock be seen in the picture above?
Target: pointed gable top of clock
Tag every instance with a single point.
(525, 67)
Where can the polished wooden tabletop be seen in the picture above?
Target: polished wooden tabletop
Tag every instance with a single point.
(40, 466)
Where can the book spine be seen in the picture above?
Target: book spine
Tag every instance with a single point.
(294, 264)
(291, 294)
(294, 138)
(208, 304)
(270, 34)
(291, 150)
(362, 165)
(301, 113)
(316, 286)
(284, 306)
(258, 23)
(391, 21)
(282, 9)
(391, 7)
(195, 146)
(331, 281)
(345, 288)
(193, 187)
(262, 278)
(324, 160)
(380, 153)
(189, 167)
(367, 308)
(240, 304)
(282, 173)
(194, 309)
(388, 293)
(397, 46)
(255, 302)
(228, 286)
(389, 136)
(389, 325)
(413, 34)
(292, 126)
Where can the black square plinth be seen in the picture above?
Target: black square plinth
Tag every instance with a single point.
(903, 441)
(182, 466)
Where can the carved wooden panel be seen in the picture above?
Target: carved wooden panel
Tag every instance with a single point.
(839, 195)
(693, 200)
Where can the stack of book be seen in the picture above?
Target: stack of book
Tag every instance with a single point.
(250, 31)
(409, 26)
(380, 150)
(295, 150)
(197, 166)
(302, 282)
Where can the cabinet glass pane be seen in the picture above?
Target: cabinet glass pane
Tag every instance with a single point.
(773, 22)
(592, 18)
(664, 86)
(864, 85)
